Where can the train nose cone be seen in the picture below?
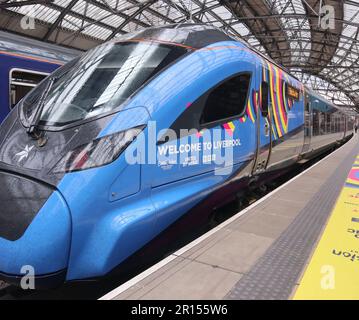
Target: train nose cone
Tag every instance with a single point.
(35, 230)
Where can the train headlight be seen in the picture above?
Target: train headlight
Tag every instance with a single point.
(98, 152)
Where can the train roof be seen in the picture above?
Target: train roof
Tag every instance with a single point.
(326, 101)
(192, 35)
(13, 43)
(195, 35)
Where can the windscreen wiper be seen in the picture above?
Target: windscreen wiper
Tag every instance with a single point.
(33, 127)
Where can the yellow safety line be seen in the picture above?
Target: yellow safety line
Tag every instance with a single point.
(333, 271)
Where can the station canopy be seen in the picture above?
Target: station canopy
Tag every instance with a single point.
(322, 52)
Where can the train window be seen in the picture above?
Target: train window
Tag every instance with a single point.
(265, 98)
(342, 118)
(322, 123)
(334, 119)
(22, 82)
(100, 82)
(227, 100)
(335, 124)
(315, 122)
(328, 122)
(307, 108)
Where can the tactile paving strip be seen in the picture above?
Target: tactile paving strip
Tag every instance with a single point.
(276, 272)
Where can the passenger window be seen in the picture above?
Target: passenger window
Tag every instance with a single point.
(334, 123)
(227, 100)
(265, 99)
(307, 108)
(322, 123)
(315, 122)
(21, 82)
(328, 122)
(337, 124)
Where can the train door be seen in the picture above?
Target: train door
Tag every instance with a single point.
(264, 124)
(307, 123)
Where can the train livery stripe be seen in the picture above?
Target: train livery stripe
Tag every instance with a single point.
(250, 111)
(243, 119)
(286, 100)
(333, 270)
(256, 101)
(274, 131)
(274, 102)
(229, 127)
(281, 110)
(259, 98)
(18, 55)
(199, 134)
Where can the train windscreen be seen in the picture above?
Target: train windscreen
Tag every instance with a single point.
(98, 82)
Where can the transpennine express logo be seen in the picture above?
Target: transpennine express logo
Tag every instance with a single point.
(24, 153)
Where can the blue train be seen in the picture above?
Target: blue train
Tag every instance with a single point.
(23, 64)
(119, 145)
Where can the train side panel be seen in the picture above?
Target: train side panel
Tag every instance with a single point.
(176, 98)
(286, 116)
(328, 124)
(349, 127)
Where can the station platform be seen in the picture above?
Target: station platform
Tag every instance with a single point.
(300, 241)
